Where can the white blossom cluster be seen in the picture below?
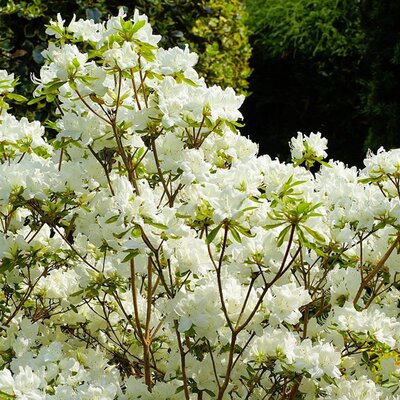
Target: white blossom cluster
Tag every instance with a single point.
(147, 252)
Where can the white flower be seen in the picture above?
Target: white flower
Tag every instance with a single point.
(56, 28)
(6, 382)
(6, 81)
(318, 144)
(61, 63)
(306, 359)
(283, 303)
(369, 322)
(328, 359)
(360, 389)
(275, 343)
(223, 103)
(124, 57)
(200, 310)
(175, 60)
(28, 385)
(383, 162)
(145, 33)
(313, 145)
(59, 284)
(227, 203)
(86, 30)
(343, 282)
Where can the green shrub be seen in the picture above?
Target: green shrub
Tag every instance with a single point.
(309, 28)
(221, 39)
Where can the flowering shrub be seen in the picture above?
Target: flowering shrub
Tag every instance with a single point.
(148, 253)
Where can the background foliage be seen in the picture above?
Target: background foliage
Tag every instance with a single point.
(329, 66)
(215, 29)
(307, 62)
(380, 24)
(306, 28)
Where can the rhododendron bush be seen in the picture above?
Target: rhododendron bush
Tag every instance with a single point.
(147, 252)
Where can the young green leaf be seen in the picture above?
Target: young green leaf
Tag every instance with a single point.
(211, 236)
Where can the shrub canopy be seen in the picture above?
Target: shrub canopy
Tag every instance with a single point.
(147, 251)
(214, 29)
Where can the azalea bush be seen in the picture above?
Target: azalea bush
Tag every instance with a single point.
(147, 252)
(215, 29)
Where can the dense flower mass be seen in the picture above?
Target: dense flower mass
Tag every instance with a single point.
(147, 252)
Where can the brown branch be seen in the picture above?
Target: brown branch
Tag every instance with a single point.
(376, 270)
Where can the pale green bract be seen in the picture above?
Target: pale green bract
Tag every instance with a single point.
(147, 252)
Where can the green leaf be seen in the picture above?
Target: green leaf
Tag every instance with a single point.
(5, 266)
(3, 104)
(131, 254)
(211, 236)
(96, 99)
(315, 206)
(244, 231)
(179, 389)
(209, 392)
(282, 235)
(138, 25)
(320, 252)
(16, 97)
(5, 81)
(112, 219)
(5, 396)
(302, 207)
(241, 212)
(329, 380)
(189, 82)
(272, 226)
(325, 164)
(301, 236)
(79, 292)
(235, 234)
(155, 224)
(136, 232)
(76, 63)
(121, 234)
(51, 125)
(238, 124)
(316, 235)
(72, 85)
(36, 100)
(53, 86)
(231, 126)
(74, 309)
